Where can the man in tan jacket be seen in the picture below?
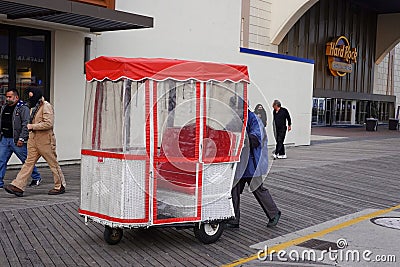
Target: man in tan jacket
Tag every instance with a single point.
(41, 143)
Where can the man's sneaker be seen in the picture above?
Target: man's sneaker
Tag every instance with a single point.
(282, 156)
(274, 156)
(57, 191)
(14, 190)
(35, 182)
(274, 221)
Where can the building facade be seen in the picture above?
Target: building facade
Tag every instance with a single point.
(370, 85)
(284, 43)
(42, 45)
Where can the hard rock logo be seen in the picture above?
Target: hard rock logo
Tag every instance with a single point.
(340, 56)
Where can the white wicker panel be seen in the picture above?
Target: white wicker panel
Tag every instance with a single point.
(217, 185)
(113, 187)
(101, 185)
(134, 189)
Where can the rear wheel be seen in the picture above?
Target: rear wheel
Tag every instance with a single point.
(208, 233)
(113, 235)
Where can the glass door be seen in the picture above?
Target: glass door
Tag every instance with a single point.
(24, 60)
(4, 44)
(319, 112)
(177, 168)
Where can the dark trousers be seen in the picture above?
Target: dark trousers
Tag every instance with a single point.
(280, 138)
(261, 194)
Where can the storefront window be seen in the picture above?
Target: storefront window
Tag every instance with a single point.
(24, 60)
(30, 61)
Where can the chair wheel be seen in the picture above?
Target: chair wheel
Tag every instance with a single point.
(113, 235)
(208, 233)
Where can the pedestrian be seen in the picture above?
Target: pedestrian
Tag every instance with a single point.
(261, 113)
(252, 167)
(14, 117)
(41, 143)
(281, 115)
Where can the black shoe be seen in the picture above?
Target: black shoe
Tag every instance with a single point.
(231, 225)
(57, 191)
(274, 221)
(35, 182)
(14, 190)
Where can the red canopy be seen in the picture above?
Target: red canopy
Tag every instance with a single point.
(114, 68)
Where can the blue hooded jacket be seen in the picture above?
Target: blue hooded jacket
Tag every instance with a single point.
(253, 161)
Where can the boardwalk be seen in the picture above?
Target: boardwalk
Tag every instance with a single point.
(329, 179)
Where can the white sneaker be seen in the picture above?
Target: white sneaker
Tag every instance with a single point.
(282, 156)
(274, 156)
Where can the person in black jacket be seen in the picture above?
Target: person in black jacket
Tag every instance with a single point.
(281, 115)
(261, 113)
(14, 118)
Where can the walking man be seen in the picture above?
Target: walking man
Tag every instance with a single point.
(14, 117)
(281, 115)
(252, 167)
(41, 143)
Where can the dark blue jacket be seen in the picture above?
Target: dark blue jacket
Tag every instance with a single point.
(253, 161)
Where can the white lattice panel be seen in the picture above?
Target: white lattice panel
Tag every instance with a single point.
(134, 189)
(113, 187)
(217, 185)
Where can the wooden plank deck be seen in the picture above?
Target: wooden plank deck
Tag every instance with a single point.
(317, 183)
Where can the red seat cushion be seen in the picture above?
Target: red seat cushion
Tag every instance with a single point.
(178, 148)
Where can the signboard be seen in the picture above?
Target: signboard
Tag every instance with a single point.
(341, 56)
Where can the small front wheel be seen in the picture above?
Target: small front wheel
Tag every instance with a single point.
(113, 235)
(208, 233)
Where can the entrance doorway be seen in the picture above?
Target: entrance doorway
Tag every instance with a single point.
(24, 60)
(343, 109)
(319, 111)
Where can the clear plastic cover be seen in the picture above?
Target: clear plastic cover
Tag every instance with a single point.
(115, 117)
(224, 120)
(177, 166)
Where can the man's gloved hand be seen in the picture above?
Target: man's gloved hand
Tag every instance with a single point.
(253, 141)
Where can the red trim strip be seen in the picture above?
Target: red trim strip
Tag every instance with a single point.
(197, 154)
(182, 159)
(109, 218)
(176, 220)
(228, 159)
(147, 182)
(200, 191)
(112, 155)
(198, 102)
(155, 152)
(204, 100)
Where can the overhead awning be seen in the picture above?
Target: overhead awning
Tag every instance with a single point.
(93, 18)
